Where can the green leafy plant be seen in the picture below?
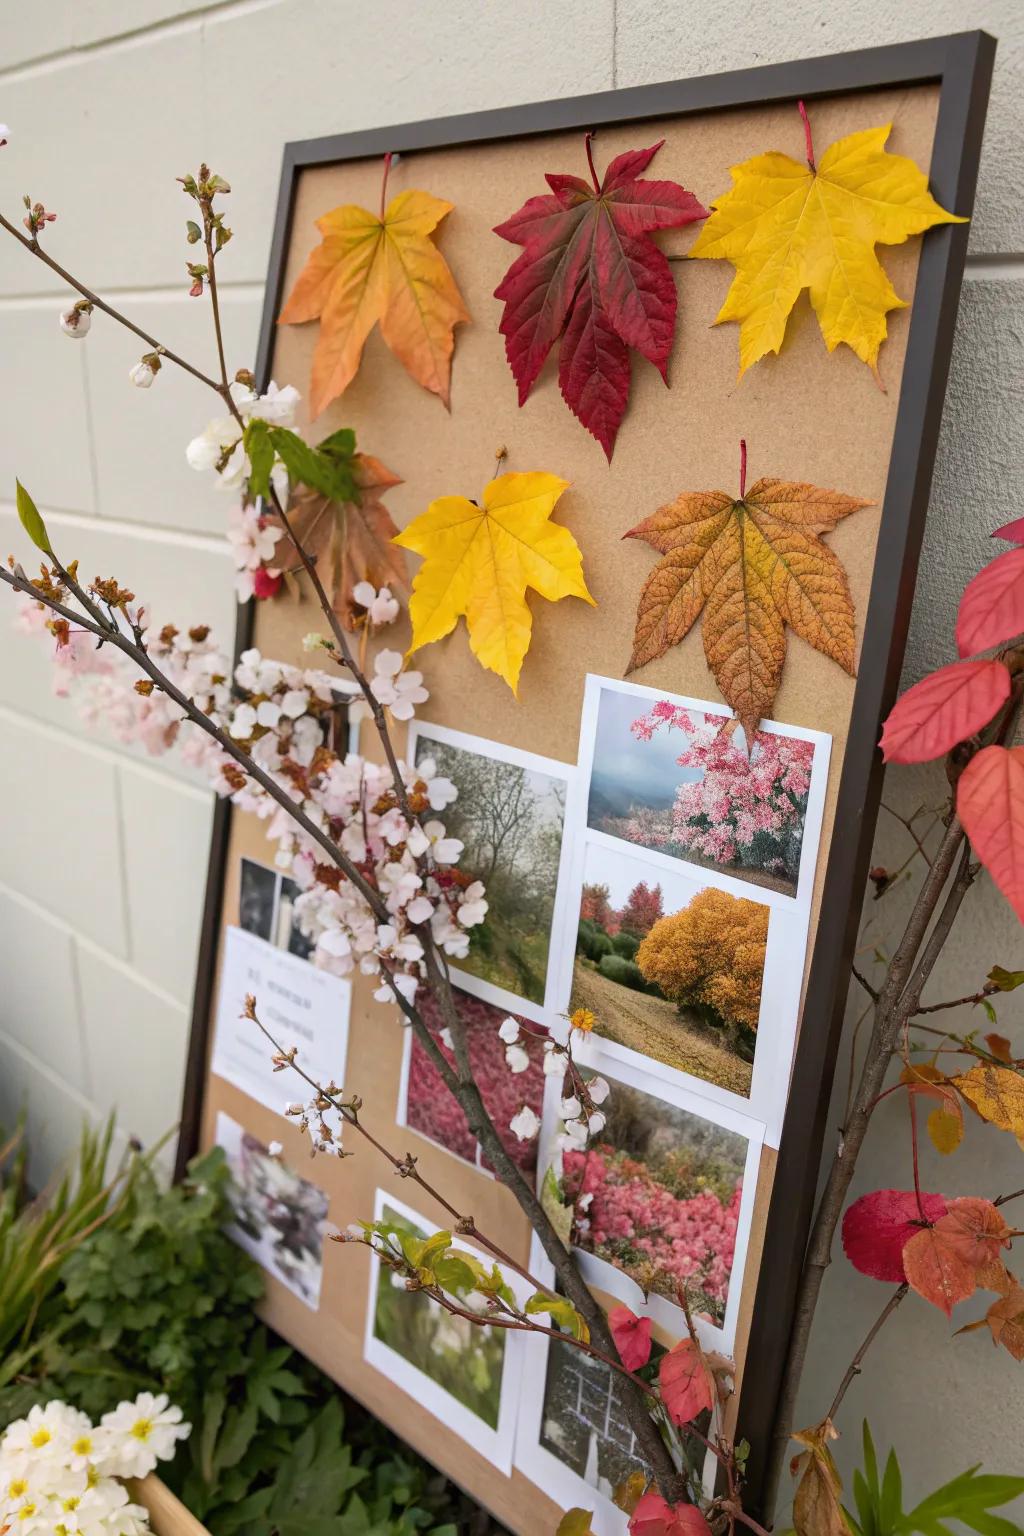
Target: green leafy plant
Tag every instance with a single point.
(39, 1236)
(969, 1498)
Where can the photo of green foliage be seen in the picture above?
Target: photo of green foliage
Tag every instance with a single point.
(510, 821)
(462, 1358)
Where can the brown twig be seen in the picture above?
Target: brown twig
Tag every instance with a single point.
(853, 1369)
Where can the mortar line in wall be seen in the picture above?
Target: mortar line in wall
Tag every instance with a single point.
(79, 996)
(163, 293)
(46, 1071)
(995, 265)
(91, 947)
(168, 26)
(95, 749)
(122, 868)
(154, 533)
(90, 430)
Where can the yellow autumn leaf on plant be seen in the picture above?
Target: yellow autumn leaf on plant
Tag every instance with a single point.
(997, 1093)
(787, 226)
(478, 562)
(379, 267)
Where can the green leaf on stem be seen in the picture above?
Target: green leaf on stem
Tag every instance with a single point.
(968, 1498)
(31, 520)
(562, 1313)
(1004, 980)
(260, 449)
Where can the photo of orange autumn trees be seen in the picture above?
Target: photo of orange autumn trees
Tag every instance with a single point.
(671, 969)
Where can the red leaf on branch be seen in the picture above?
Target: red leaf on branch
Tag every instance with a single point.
(653, 1517)
(632, 1337)
(687, 1386)
(990, 803)
(877, 1226)
(1013, 532)
(992, 607)
(975, 1230)
(937, 1270)
(590, 273)
(946, 707)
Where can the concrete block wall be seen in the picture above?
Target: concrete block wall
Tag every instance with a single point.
(108, 101)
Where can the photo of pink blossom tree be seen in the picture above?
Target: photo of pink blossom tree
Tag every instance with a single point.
(685, 784)
(656, 1194)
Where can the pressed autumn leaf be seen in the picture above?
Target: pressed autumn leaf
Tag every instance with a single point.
(877, 1227)
(351, 541)
(999, 1046)
(478, 562)
(997, 1093)
(654, 1517)
(752, 566)
(787, 226)
(990, 803)
(992, 607)
(816, 1507)
(590, 273)
(632, 1337)
(942, 709)
(384, 267)
(687, 1386)
(946, 1128)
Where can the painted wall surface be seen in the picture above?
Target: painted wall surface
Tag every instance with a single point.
(102, 853)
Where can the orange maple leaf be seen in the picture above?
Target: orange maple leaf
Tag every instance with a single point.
(752, 566)
(382, 267)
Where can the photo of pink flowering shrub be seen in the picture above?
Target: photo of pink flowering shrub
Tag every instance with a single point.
(686, 784)
(432, 1111)
(657, 1194)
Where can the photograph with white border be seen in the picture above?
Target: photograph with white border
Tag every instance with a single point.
(677, 777)
(300, 1005)
(573, 1439)
(662, 1195)
(466, 1374)
(662, 1025)
(514, 816)
(280, 1218)
(508, 1070)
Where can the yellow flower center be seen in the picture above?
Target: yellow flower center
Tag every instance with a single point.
(41, 1437)
(16, 1488)
(82, 1446)
(71, 1503)
(92, 1478)
(583, 1019)
(142, 1429)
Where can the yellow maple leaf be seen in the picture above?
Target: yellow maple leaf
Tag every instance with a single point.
(479, 560)
(385, 268)
(752, 566)
(787, 226)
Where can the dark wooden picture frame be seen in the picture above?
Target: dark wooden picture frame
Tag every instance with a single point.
(961, 66)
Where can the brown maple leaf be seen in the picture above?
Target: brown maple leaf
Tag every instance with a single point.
(351, 540)
(752, 566)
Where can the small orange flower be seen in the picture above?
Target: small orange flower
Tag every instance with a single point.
(583, 1020)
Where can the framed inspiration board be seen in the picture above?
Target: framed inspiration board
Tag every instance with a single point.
(644, 812)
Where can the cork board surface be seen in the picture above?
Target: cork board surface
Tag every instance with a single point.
(805, 415)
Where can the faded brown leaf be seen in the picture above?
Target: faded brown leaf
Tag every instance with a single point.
(351, 541)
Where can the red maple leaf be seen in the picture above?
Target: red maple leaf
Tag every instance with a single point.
(591, 274)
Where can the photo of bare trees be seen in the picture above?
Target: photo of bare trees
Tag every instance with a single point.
(511, 820)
